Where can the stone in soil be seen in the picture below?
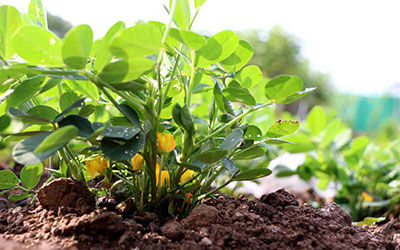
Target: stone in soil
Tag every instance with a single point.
(276, 221)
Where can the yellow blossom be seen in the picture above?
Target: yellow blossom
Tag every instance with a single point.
(187, 175)
(96, 166)
(164, 177)
(367, 197)
(166, 142)
(137, 162)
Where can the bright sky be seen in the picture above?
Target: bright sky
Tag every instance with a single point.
(357, 41)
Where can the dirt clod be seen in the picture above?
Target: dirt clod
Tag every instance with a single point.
(201, 216)
(64, 193)
(173, 230)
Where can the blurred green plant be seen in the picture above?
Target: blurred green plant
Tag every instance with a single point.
(365, 175)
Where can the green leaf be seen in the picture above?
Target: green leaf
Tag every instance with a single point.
(191, 39)
(83, 124)
(211, 156)
(10, 20)
(369, 221)
(249, 76)
(124, 71)
(298, 95)
(131, 115)
(87, 110)
(18, 197)
(301, 143)
(239, 58)
(86, 88)
(316, 120)
(42, 111)
(283, 171)
(38, 46)
(37, 13)
(282, 128)
(235, 93)
(230, 166)
(253, 133)
(221, 101)
(283, 86)
(57, 139)
(8, 179)
(117, 132)
(176, 114)
(26, 116)
(103, 55)
(138, 41)
(232, 140)
(122, 150)
(24, 154)
(252, 174)
(5, 122)
(217, 48)
(225, 118)
(77, 104)
(331, 131)
(198, 3)
(77, 46)
(250, 153)
(51, 83)
(182, 13)
(191, 166)
(67, 99)
(187, 120)
(25, 90)
(30, 175)
(276, 141)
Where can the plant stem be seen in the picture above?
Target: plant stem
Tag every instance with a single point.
(190, 85)
(220, 187)
(122, 178)
(77, 167)
(231, 123)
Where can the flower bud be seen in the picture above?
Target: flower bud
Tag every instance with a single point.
(96, 166)
(137, 162)
(187, 175)
(166, 142)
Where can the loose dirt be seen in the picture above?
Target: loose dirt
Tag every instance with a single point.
(275, 221)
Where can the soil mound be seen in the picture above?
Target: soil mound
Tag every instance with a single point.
(275, 221)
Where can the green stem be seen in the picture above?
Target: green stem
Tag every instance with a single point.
(227, 125)
(25, 189)
(77, 167)
(191, 81)
(122, 179)
(171, 77)
(194, 18)
(220, 187)
(4, 61)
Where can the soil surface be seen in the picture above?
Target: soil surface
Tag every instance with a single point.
(275, 221)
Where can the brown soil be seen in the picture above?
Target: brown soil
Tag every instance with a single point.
(275, 221)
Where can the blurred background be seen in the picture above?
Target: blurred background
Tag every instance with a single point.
(349, 50)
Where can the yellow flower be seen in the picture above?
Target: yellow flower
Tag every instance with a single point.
(367, 197)
(137, 162)
(166, 142)
(164, 178)
(96, 166)
(187, 175)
